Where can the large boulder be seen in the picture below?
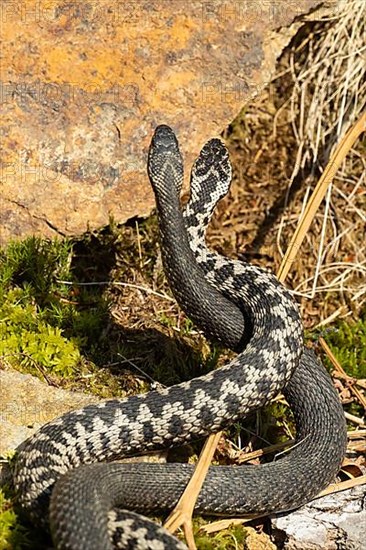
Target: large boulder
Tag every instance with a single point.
(85, 83)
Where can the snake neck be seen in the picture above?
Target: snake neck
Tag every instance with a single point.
(193, 293)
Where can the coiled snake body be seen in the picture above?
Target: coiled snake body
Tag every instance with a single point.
(245, 308)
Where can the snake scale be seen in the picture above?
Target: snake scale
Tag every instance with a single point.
(63, 474)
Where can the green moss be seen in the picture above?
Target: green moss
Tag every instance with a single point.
(231, 538)
(13, 535)
(33, 307)
(348, 343)
(347, 340)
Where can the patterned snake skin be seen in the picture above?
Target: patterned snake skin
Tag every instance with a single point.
(245, 308)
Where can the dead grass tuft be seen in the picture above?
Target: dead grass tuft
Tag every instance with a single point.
(281, 144)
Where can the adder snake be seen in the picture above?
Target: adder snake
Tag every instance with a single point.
(64, 470)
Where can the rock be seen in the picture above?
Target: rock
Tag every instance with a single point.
(333, 522)
(26, 404)
(85, 83)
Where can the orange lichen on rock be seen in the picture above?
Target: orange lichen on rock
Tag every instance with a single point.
(84, 85)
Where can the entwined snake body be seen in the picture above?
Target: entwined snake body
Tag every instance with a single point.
(245, 308)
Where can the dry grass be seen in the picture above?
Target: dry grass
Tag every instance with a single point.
(281, 144)
(329, 94)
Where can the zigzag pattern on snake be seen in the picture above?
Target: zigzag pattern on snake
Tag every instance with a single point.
(240, 305)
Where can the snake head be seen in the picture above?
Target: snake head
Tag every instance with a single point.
(214, 151)
(164, 141)
(210, 177)
(165, 164)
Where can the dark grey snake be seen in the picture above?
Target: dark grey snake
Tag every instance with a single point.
(245, 308)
